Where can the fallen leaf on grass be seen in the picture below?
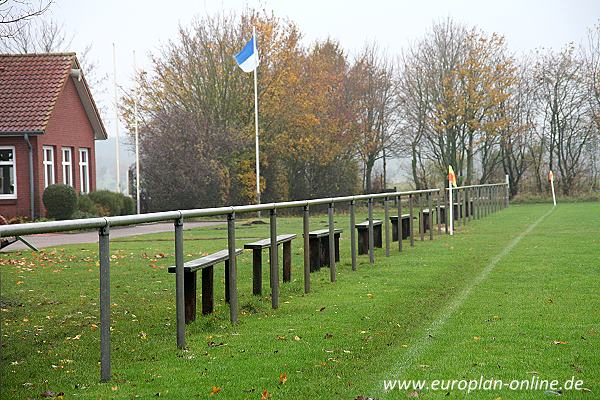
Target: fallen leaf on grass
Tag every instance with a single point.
(93, 327)
(370, 295)
(143, 336)
(283, 378)
(265, 395)
(296, 338)
(20, 282)
(413, 395)
(281, 337)
(560, 342)
(215, 390)
(477, 338)
(328, 336)
(114, 388)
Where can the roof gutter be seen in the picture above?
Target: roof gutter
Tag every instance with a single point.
(31, 182)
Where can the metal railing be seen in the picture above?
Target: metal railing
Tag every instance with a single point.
(487, 198)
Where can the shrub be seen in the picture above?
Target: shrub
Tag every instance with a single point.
(128, 206)
(60, 201)
(109, 203)
(86, 206)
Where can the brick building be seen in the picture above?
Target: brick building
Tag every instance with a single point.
(48, 126)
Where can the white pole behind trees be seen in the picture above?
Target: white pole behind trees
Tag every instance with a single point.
(116, 120)
(137, 141)
(256, 126)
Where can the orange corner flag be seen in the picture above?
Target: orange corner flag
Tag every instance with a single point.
(451, 176)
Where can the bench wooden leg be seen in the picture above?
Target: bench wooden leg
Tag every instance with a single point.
(394, 230)
(226, 281)
(257, 271)
(208, 292)
(377, 233)
(324, 256)
(337, 247)
(363, 241)
(189, 294)
(315, 254)
(287, 261)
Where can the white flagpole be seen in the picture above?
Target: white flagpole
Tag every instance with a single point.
(137, 141)
(256, 125)
(116, 121)
(552, 185)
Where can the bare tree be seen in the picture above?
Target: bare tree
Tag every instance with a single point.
(565, 102)
(15, 14)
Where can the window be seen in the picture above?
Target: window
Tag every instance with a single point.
(84, 171)
(67, 166)
(48, 166)
(8, 174)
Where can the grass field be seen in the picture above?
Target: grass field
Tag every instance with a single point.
(511, 296)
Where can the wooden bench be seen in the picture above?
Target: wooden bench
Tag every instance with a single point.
(442, 216)
(426, 219)
(363, 235)
(257, 248)
(205, 264)
(319, 248)
(405, 227)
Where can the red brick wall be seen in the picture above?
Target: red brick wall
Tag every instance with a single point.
(19, 206)
(68, 127)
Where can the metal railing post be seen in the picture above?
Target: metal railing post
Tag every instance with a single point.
(273, 260)
(410, 221)
(421, 222)
(371, 236)
(386, 223)
(179, 284)
(399, 223)
(465, 205)
(353, 234)
(447, 212)
(332, 271)
(438, 212)
(430, 217)
(104, 256)
(232, 273)
(306, 226)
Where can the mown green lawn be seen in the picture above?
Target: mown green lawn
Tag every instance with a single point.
(430, 312)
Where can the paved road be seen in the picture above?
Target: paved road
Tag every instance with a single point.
(59, 239)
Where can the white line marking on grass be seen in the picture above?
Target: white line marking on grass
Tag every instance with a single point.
(417, 349)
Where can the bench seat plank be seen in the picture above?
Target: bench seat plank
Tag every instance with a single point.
(364, 224)
(206, 261)
(323, 232)
(261, 244)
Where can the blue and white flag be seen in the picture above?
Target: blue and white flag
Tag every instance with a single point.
(247, 59)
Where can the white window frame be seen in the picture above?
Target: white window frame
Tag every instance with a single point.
(84, 178)
(48, 180)
(67, 166)
(14, 165)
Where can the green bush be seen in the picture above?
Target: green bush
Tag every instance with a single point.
(86, 205)
(128, 206)
(60, 201)
(109, 203)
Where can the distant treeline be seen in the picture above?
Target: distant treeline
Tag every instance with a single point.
(456, 96)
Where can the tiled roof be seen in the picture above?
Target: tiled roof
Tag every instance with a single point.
(29, 87)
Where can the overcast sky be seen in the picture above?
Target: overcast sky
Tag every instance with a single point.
(144, 26)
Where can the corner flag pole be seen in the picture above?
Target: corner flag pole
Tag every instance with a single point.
(256, 127)
(451, 210)
(551, 178)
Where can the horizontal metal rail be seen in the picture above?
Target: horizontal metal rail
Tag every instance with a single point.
(126, 220)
